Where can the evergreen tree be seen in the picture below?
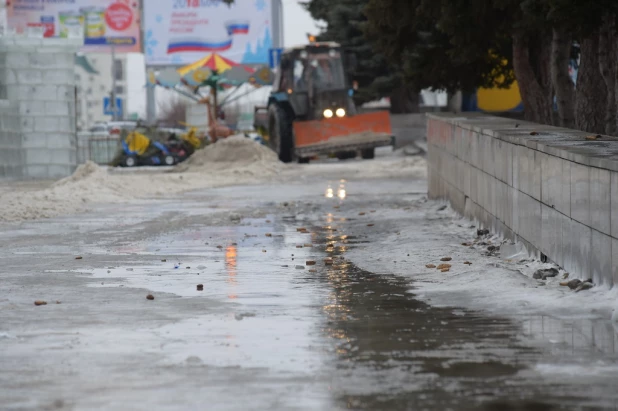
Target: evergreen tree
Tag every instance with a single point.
(443, 45)
(376, 76)
(462, 45)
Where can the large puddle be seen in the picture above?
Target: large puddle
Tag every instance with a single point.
(362, 337)
(396, 352)
(272, 330)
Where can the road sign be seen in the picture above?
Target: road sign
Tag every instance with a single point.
(107, 107)
(274, 57)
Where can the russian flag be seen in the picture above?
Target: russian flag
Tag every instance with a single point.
(197, 45)
(237, 27)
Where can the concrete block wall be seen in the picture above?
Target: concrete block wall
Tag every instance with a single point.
(37, 106)
(544, 186)
(408, 128)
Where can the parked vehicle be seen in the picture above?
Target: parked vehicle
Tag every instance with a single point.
(138, 149)
(113, 127)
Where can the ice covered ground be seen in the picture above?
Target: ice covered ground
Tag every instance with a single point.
(267, 335)
(500, 282)
(417, 235)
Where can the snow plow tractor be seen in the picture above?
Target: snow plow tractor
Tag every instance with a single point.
(310, 110)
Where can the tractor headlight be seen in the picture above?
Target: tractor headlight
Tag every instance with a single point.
(328, 113)
(340, 112)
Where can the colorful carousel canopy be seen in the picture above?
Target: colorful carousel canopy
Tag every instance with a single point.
(214, 62)
(213, 71)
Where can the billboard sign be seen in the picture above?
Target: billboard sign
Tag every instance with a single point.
(179, 32)
(104, 22)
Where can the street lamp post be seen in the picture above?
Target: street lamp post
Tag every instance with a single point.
(113, 94)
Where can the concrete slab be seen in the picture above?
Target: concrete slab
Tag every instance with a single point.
(614, 203)
(601, 259)
(600, 207)
(580, 193)
(615, 259)
(581, 243)
(564, 205)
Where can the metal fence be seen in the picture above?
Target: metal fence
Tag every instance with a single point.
(97, 147)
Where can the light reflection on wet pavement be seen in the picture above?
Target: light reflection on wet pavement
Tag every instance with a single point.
(421, 357)
(378, 347)
(331, 336)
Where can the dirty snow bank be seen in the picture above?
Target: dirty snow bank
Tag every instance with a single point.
(500, 282)
(237, 160)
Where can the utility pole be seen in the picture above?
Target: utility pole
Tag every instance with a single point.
(151, 109)
(113, 94)
(3, 19)
(277, 23)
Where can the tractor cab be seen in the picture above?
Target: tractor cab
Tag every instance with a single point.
(315, 79)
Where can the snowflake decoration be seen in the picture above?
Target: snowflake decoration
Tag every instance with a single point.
(151, 43)
(159, 18)
(260, 5)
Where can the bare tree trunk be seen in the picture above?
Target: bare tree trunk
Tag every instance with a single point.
(541, 63)
(615, 73)
(404, 100)
(607, 66)
(591, 92)
(562, 82)
(534, 79)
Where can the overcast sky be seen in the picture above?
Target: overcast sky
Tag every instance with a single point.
(296, 24)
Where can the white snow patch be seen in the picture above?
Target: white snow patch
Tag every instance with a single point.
(394, 166)
(578, 371)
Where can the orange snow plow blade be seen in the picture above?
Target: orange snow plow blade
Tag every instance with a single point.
(332, 130)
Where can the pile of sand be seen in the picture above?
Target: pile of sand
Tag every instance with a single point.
(236, 154)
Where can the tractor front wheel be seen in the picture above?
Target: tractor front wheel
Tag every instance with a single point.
(281, 135)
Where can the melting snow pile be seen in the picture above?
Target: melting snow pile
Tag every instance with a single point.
(232, 161)
(88, 184)
(236, 160)
(236, 154)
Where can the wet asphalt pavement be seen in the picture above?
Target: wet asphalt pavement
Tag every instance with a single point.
(270, 330)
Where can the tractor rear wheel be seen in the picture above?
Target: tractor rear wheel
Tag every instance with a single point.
(280, 133)
(368, 153)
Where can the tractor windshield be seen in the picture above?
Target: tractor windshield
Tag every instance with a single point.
(319, 71)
